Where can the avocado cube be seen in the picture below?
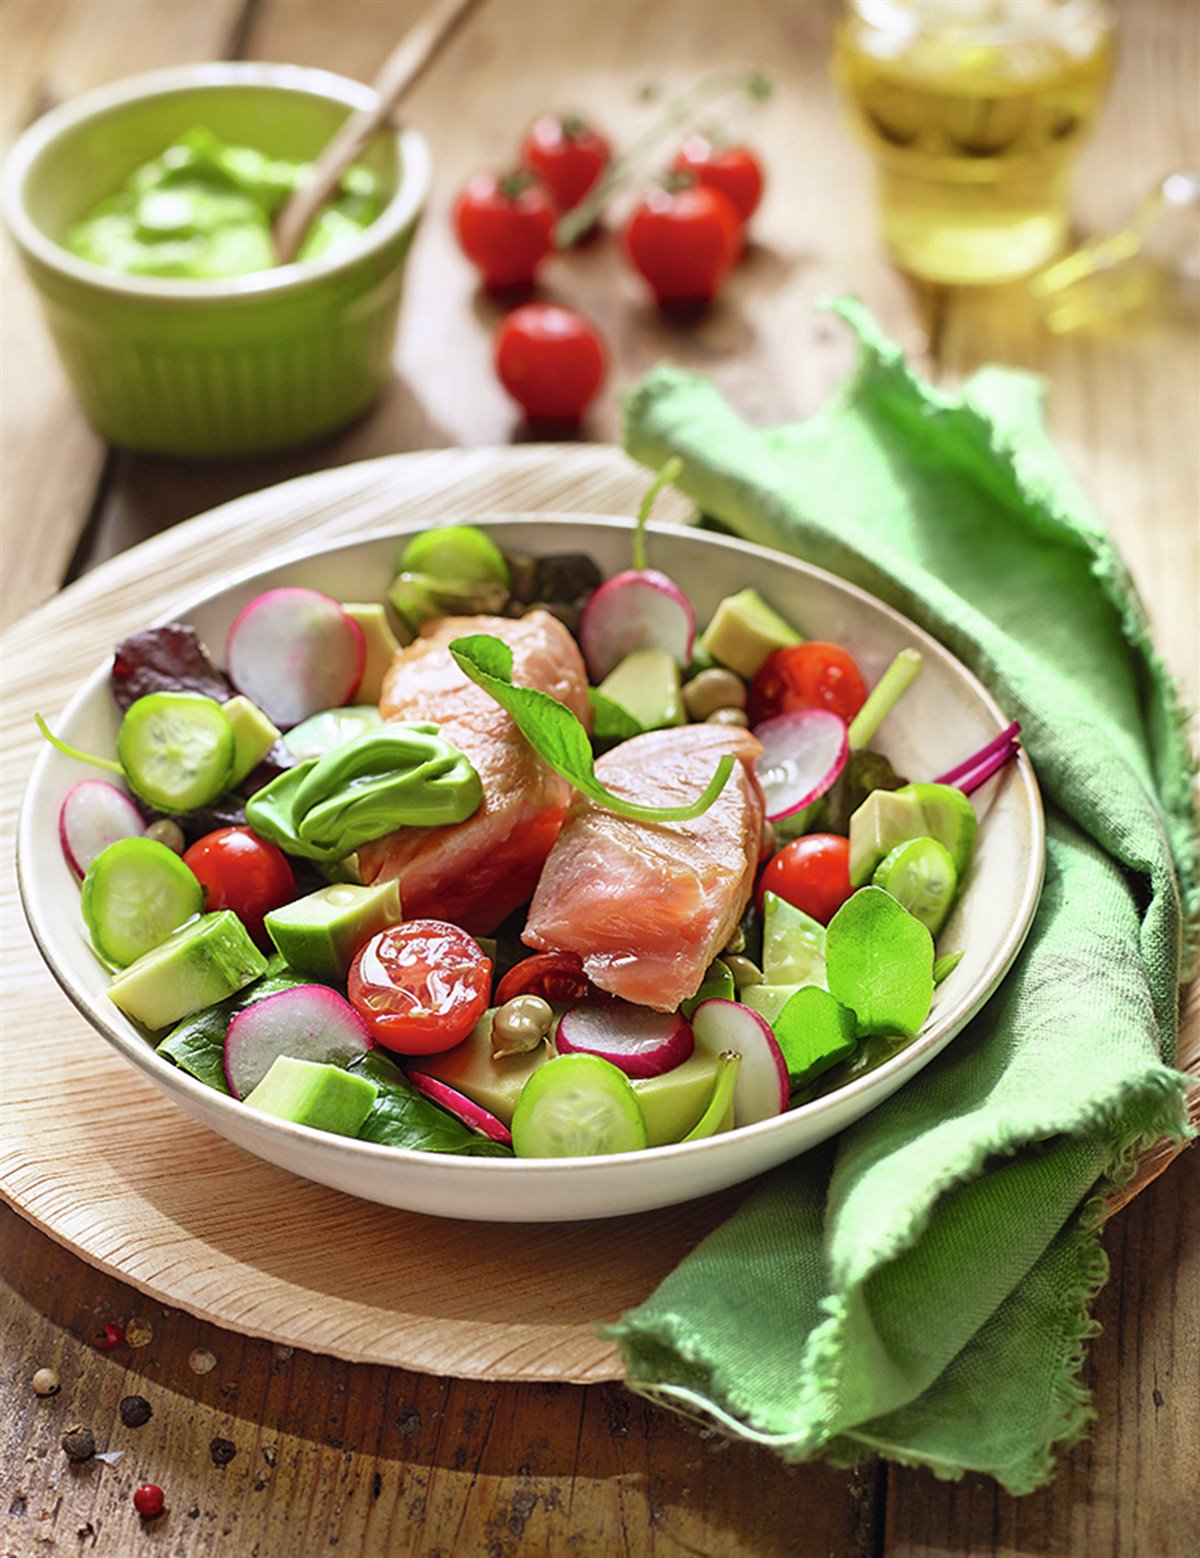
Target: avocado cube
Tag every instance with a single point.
(744, 631)
(793, 944)
(253, 736)
(471, 1069)
(311, 1092)
(381, 643)
(674, 1101)
(319, 935)
(646, 685)
(204, 961)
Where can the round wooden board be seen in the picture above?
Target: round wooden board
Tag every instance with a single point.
(102, 1162)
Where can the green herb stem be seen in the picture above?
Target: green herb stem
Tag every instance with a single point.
(106, 763)
(670, 472)
(883, 697)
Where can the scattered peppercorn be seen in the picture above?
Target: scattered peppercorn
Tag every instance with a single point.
(79, 1443)
(201, 1361)
(45, 1383)
(111, 1337)
(139, 1332)
(135, 1410)
(222, 1451)
(149, 1500)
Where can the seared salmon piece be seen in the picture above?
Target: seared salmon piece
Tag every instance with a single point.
(476, 872)
(648, 905)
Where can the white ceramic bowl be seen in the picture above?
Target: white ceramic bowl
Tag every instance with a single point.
(944, 716)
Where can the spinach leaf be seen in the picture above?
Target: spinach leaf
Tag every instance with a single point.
(400, 1117)
(879, 963)
(197, 1043)
(558, 737)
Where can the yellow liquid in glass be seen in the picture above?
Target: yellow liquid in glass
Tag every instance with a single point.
(974, 110)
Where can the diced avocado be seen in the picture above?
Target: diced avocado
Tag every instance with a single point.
(716, 986)
(814, 1032)
(204, 961)
(320, 934)
(793, 944)
(310, 1092)
(674, 1101)
(744, 631)
(382, 644)
(890, 817)
(769, 1000)
(321, 733)
(493, 1084)
(646, 685)
(253, 736)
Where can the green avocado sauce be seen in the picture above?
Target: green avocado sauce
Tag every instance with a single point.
(203, 211)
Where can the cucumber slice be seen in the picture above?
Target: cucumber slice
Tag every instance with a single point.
(136, 892)
(920, 875)
(177, 750)
(577, 1106)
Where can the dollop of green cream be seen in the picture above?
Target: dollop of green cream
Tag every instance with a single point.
(203, 210)
(399, 776)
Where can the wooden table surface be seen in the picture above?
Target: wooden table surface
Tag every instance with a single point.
(368, 1460)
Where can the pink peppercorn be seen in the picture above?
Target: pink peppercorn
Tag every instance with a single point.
(148, 1500)
(111, 1337)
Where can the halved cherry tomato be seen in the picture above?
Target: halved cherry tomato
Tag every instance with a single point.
(814, 675)
(684, 241)
(734, 170)
(242, 872)
(555, 976)
(505, 225)
(421, 986)
(550, 360)
(567, 154)
(811, 873)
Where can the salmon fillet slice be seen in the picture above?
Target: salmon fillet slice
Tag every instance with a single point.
(647, 906)
(476, 872)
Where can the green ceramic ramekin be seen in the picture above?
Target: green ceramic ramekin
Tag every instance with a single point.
(204, 369)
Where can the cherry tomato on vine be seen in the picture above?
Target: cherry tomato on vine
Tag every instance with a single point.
(420, 986)
(811, 873)
(684, 241)
(242, 872)
(567, 154)
(505, 226)
(555, 976)
(814, 675)
(550, 360)
(734, 170)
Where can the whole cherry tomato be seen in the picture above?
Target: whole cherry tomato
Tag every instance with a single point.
(734, 170)
(550, 360)
(684, 241)
(505, 225)
(242, 872)
(567, 154)
(555, 976)
(814, 675)
(811, 873)
(420, 986)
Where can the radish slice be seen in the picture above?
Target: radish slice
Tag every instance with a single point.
(295, 652)
(462, 1108)
(639, 1042)
(638, 609)
(308, 1022)
(762, 1085)
(93, 815)
(803, 753)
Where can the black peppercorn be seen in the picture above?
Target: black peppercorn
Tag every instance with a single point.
(222, 1451)
(79, 1443)
(135, 1410)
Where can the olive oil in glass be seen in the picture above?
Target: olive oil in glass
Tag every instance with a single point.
(974, 111)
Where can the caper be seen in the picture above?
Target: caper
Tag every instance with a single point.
(520, 1025)
(733, 717)
(712, 690)
(167, 831)
(743, 970)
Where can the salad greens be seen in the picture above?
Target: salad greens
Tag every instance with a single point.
(879, 963)
(558, 737)
(400, 1117)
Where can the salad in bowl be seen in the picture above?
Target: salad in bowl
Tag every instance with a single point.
(507, 871)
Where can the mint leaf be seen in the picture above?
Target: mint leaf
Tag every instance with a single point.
(557, 736)
(400, 1117)
(879, 963)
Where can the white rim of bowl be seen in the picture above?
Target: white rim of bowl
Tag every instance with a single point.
(404, 206)
(143, 1055)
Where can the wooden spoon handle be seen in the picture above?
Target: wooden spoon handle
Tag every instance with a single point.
(402, 68)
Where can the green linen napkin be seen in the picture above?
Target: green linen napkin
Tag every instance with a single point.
(920, 1287)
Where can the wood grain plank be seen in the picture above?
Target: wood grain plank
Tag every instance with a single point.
(51, 459)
